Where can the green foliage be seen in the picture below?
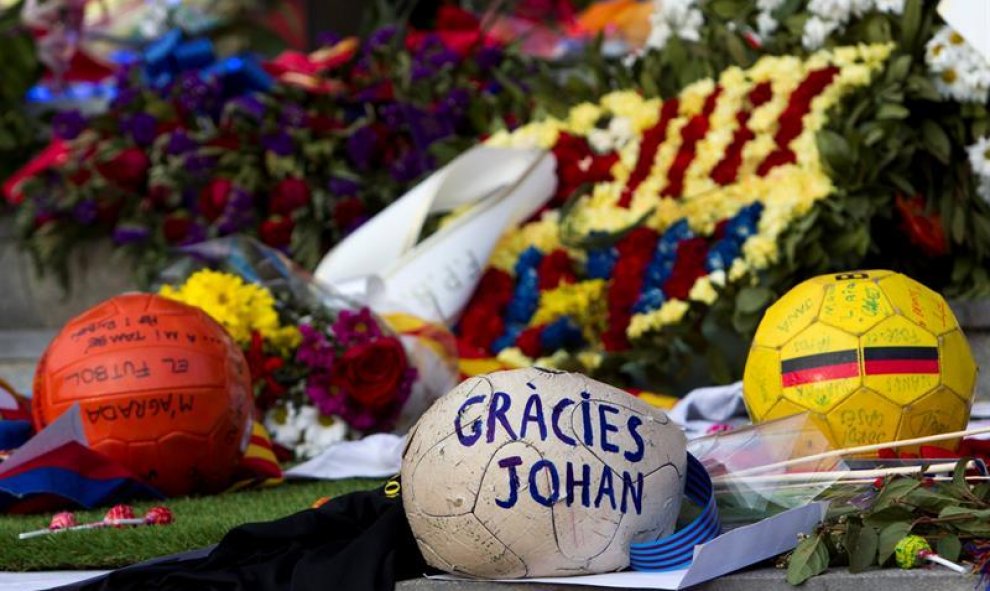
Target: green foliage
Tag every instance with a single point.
(19, 131)
(948, 514)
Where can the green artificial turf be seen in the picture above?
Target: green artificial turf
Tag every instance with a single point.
(199, 521)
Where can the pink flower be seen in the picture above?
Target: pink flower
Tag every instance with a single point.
(354, 328)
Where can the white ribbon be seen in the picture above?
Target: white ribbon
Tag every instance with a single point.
(382, 263)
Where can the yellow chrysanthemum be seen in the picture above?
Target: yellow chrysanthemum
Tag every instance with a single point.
(241, 308)
(583, 302)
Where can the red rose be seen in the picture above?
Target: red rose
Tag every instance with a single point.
(372, 372)
(276, 231)
(176, 227)
(348, 212)
(128, 169)
(289, 195)
(481, 325)
(213, 198)
(554, 269)
(528, 341)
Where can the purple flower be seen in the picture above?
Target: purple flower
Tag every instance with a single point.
(293, 116)
(488, 57)
(391, 114)
(442, 57)
(381, 37)
(195, 234)
(455, 104)
(280, 143)
(420, 71)
(238, 214)
(179, 143)
(85, 212)
(426, 127)
(198, 96)
(251, 106)
(342, 187)
(199, 163)
(362, 146)
(142, 128)
(328, 38)
(408, 167)
(67, 125)
(354, 328)
(130, 234)
(315, 350)
(124, 98)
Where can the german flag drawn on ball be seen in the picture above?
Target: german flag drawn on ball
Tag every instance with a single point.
(900, 360)
(820, 367)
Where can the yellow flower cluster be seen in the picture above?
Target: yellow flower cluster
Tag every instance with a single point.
(583, 302)
(788, 192)
(241, 308)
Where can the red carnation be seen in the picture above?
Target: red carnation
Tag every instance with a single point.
(528, 341)
(480, 325)
(495, 288)
(776, 158)
(288, 196)
(348, 212)
(213, 198)
(176, 227)
(688, 268)
(638, 240)
(276, 231)
(554, 269)
(924, 229)
(128, 169)
(760, 94)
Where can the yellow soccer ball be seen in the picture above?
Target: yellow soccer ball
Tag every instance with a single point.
(872, 356)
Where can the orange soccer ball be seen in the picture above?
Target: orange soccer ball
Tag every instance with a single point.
(161, 387)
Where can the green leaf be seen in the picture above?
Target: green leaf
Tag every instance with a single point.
(936, 140)
(910, 22)
(835, 150)
(894, 491)
(892, 111)
(889, 536)
(864, 554)
(753, 299)
(810, 558)
(949, 547)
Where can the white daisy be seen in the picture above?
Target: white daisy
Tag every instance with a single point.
(979, 157)
(816, 31)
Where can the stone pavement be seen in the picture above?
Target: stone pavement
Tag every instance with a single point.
(765, 579)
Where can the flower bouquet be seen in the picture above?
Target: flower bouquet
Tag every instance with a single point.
(323, 368)
(672, 220)
(909, 161)
(297, 151)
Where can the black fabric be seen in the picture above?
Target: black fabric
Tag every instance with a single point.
(359, 542)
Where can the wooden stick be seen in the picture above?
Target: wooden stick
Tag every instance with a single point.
(770, 485)
(838, 453)
(837, 474)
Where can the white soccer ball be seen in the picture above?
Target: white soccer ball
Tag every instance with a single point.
(531, 472)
